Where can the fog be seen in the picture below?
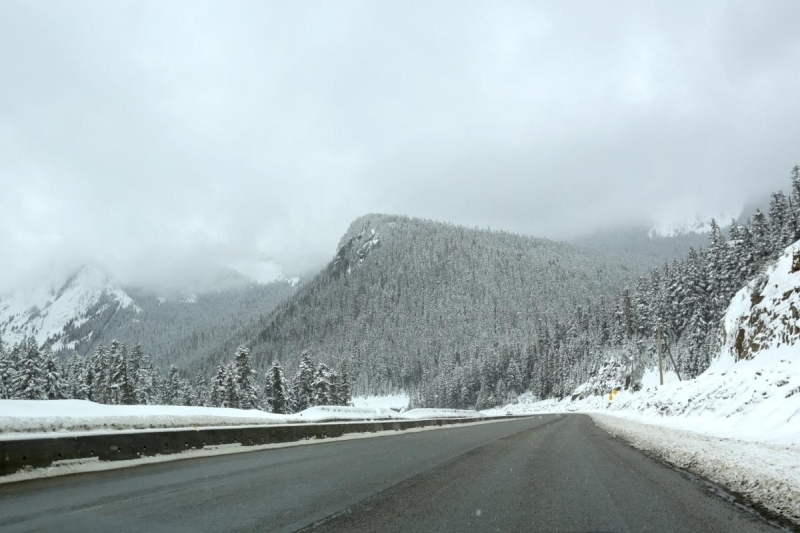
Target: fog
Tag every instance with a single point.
(161, 139)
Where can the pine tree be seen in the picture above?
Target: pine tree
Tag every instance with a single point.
(232, 395)
(121, 386)
(218, 394)
(245, 380)
(302, 383)
(171, 388)
(321, 386)
(29, 379)
(101, 376)
(277, 400)
(53, 382)
(198, 394)
(344, 392)
(781, 226)
(6, 372)
(760, 231)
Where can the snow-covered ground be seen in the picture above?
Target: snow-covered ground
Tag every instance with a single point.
(398, 402)
(22, 418)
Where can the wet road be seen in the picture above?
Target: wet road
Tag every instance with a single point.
(545, 473)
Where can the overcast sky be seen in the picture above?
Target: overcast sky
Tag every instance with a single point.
(158, 138)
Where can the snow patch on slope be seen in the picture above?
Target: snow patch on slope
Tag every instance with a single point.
(697, 224)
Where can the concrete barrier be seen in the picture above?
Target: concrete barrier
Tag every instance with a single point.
(20, 454)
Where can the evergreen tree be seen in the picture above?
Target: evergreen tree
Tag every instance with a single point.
(101, 376)
(218, 394)
(302, 383)
(198, 394)
(760, 231)
(781, 223)
(232, 396)
(344, 393)
(277, 400)
(245, 380)
(6, 373)
(171, 388)
(321, 386)
(53, 381)
(29, 378)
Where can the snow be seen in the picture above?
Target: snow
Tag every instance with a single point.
(26, 418)
(329, 412)
(440, 413)
(397, 402)
(45, 416)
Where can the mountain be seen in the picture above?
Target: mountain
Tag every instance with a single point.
(90, 308)
(403, 296)
(48, 314)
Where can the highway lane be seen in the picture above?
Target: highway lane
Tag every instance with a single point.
(545, 473)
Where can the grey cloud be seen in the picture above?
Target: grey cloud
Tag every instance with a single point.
(170, 135)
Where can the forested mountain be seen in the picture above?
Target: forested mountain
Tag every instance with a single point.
(90, 309)
(405, 299)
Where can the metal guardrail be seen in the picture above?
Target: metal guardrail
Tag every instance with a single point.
(20, 454)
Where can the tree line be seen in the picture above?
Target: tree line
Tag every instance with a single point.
(118, 376)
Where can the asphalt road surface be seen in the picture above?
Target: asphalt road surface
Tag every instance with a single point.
(545, 473)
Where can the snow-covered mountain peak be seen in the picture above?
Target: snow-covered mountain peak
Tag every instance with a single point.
(45, 312)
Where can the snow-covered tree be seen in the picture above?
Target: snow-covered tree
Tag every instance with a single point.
(245, 380)
(303, 380)
(29, 378)
(277, 400)
(52, 375)
(321, 386)
(218, 394)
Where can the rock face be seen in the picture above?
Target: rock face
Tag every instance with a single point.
(766, 313)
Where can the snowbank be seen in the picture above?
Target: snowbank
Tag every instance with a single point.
(341, 412)
(24, 417)
(768, 474)
(441, 413)
(397, 402)
(39, 416)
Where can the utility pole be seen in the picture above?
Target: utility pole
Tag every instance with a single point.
(660, 358)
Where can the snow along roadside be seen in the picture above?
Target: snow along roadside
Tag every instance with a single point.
(83, 466)
(766, 473)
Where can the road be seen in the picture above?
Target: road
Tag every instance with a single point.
(546, 473)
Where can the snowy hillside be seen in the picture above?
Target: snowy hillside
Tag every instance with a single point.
(766, 313)
(48, 313)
